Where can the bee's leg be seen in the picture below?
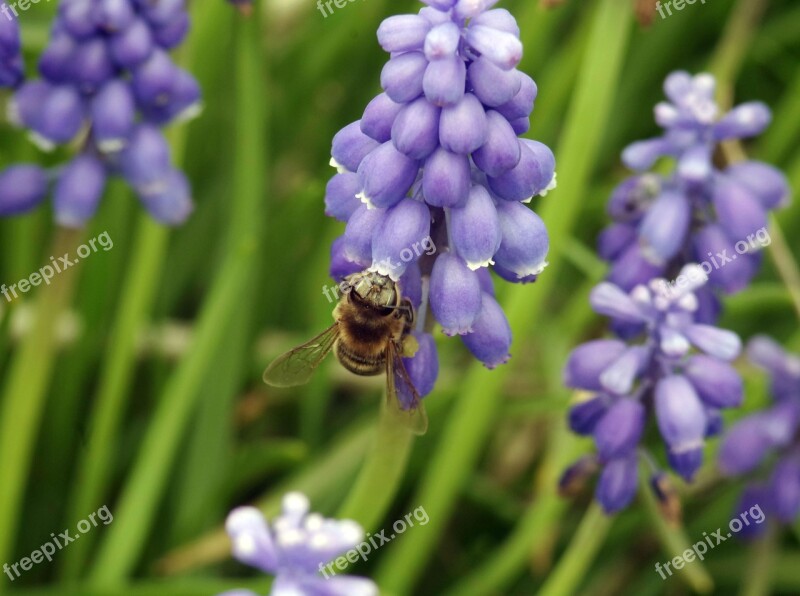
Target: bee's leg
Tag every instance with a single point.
(408, 346)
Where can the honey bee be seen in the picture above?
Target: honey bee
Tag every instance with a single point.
(371, 336)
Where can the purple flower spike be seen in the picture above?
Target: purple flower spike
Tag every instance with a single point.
(525, 243)
(617, 485)
(78, 191)
(402, 230)
(475, 229)
(455, 295)
(490, 340)
(22, 187)
(386, 176)
(296, 548)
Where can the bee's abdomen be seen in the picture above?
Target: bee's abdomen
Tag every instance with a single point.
(366, 363)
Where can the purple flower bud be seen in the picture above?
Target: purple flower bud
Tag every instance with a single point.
(113, 111)
(493, 85)
(359, 232)
(784, 368)
(751, 439)
(350, 147)
(171, 34)
(632, 269)
(444, 81)
(717, 383)
(131, 46)
(620, 375)
(620, 429)
(440, 5)
(524, 244)
(475, 229)
(785, 488)
(169, 201)
(631, 199)
(386, 176)
(765, 182)
(739, 213)
(502, 151)
(531, 176)
(56, 61)
(403, 33)
(77, 17)
(643, 154)
(753, 497)
(163, 12)
(415, 131)
(719, 343)
(666, 226)
(341, 266)
(340, 196)
(422, 368)
(686, 462)
(587, 362)
(446, 179)
(743, 121)
(397, 239)
(521, 125)
(79, 190)
(511, 277)
(617, 485)
(455, 295)
(490, 339)
(502, 48)
(499, 19)
(60, 117)
(402, 76)
(584, 416)
(22, 187)
(467, 9)
(182, 102)
(9, 38)
(717, 253)
(521, 105)
(442, 41)
(145, 161)
(694, 166)
(26, 104)
(91, 64)
(410, 284)
(11, 71)
(379, 117)
(153, 79)
(614, 240)
(113, 15)
(610, 300)
(681, 420)
(463, 127)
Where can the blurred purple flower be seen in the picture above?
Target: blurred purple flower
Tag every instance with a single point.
(295, 547)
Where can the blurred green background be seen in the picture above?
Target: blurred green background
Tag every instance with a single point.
(134, 381)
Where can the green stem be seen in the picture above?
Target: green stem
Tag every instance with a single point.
(469, 424)
(94, 472)
(757, 581)
(381, 474)
(574, 563)
(784, 261)
(26, 391)
(142, 494)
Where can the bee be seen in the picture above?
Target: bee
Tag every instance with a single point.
(370, 336)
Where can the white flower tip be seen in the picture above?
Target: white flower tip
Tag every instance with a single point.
(474, 266)
(351, 531)
(244, 545)
(362, 196)
(111, 145)
(552, 185)
(295, 503)
(41, 142)
(535, 270)
(339, 167)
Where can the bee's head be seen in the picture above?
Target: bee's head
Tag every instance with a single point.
(374, 290)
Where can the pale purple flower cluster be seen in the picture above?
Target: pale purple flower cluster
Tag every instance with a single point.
(109, 84)
(699, 213)
(437, 156)
(295, 547)
(678, 374)
(11, 67)
(767, 442)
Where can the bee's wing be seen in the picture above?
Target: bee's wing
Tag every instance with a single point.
(414, 418)
(296, 366)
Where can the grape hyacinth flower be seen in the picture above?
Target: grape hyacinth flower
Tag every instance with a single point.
(11, 67)
(436, 158)
(766, 443)
(108, 85)
(678, 375)
(700, 213)
(296, 547)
